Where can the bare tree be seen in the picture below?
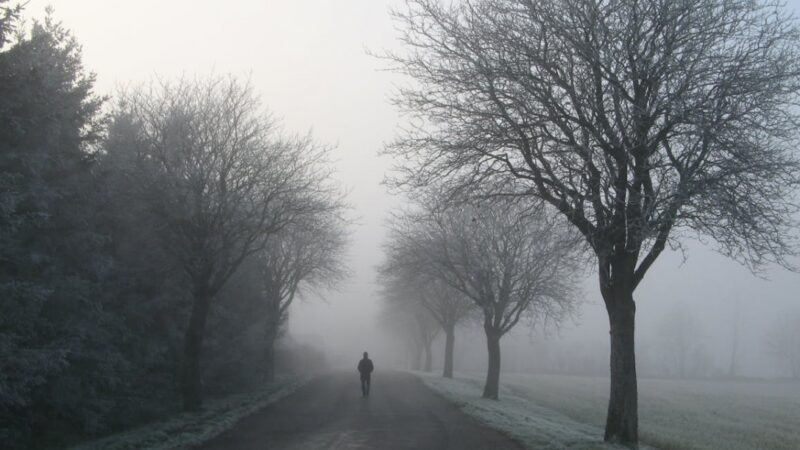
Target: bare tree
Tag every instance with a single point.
(640, 122)
(216, 172)
(412, 322)
(680, 340)
(783, 342)
(308, 252)
(448, 307)
(403, 272)
(395, 322)
(733, 366)
(505, 259)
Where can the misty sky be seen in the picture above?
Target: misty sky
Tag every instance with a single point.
(308, 60)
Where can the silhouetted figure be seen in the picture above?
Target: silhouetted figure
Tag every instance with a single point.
(365, 368)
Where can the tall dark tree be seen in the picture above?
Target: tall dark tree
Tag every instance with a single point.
(9, 17)
(53, 332)
(214, 168)
(147, 289)
(640, 122)
(234, 347)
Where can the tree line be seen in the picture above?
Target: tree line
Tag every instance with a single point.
(496, 263)
(151, 243)
(641, 124)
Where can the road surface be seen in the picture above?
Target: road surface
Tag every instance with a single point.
(329, 413)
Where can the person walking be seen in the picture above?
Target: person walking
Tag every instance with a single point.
(365, 368)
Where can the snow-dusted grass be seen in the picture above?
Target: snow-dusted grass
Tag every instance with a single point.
(680, 414)
(187, 430)
(534, 426)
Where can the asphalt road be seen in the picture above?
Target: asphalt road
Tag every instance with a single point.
(329, 413)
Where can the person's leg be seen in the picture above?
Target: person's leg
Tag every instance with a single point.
(369, 381)
(363, 387)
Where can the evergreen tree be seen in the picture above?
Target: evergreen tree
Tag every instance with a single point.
(51, 258)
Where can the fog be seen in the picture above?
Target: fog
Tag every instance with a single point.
(309, 61)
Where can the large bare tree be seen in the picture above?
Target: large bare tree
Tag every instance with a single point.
(641, 122)
(217, 173)
(509, 261)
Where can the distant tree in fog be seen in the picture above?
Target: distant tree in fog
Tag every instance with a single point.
(733, 366)
(641, 122)
(405, 275)
(509, 261)
(307, 252)
(680, 342)
(448, 307)
(410, 321)
(783, 343)
(215, 170)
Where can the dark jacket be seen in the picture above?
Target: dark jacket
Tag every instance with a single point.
(365, 367)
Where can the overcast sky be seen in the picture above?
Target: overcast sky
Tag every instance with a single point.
(308, 61)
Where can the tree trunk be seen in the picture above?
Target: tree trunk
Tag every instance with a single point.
(622, 419)
(193, 344)
(735, 345)
(449, 344)
(428, 357)
(492, 386)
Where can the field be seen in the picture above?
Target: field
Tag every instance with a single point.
(681, 414)
(549, 411)
(523, 420)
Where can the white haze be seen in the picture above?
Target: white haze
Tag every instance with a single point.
(308, 60)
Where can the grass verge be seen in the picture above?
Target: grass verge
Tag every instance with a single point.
(531, 425)
(188, 430)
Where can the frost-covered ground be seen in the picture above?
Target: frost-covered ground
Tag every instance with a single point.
(549, 411)
(534, 426)
(681, 414)
(190, 429)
